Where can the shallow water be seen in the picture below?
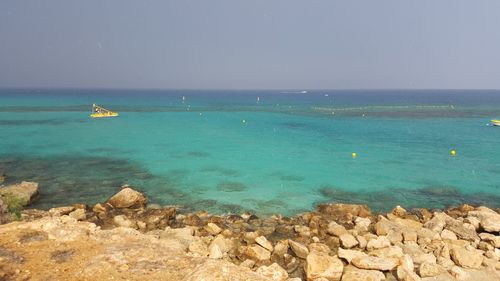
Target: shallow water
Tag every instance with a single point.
(292, 152)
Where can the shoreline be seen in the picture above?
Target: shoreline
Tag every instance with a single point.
(125, 238)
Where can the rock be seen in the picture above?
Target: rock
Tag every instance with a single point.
(318, 247)
(352, 273)
(258, 253)
(490, 220)
(262, 241)
(22, 194)
(123, 221)
(219, 247)
(61, 211)
(388, 252)
(467, 258)
(462, 231)
(274, 272)
(405, 223)
(395, 237)
(430, 270)
(438, 221)
(250, 237)
(384, 226)
(343, 213)
(349, 255)
(248, 263)
(281, 248)
(459, 273)
(447, 234)
(127, 198)
(362, 224)
(406, 263)
(362, 241)
(399, 212)
(376, 263)
(406, 275)
(336, 229)
(425, 233)
(199, 249)
(492, 239)
(300, 250)
(380, 242)
(78, 214)
(348, 241)
(410, 235)
(320, 265)
(302, 230)
(213, 229)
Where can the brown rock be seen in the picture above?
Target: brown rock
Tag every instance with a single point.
(262, 241)
(274, 272)
(258, 253)
(375, 263)
(23, 193)
(320, 265)
(348, 241)
(467, 258)
(300, 250)
(127, 198)
(349, 255)
(430, 270)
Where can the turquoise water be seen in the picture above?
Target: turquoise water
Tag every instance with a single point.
(291, 152)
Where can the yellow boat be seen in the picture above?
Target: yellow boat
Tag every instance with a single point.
(100, 112)
(495, 122)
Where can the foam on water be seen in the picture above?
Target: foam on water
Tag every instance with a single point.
(291, 153)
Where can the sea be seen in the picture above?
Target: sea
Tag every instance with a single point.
(266, 151)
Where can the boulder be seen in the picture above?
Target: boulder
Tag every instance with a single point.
(213, 229)
(376, 263)
(319, 247)
(258, 253)
(281, 248)
(449, 235)
(489, 219)
(348, 241)
(274, 272)
(349, 255)
(22, 194)
(321, 265)
(430, 270)
(300, 250)
(352, 273)
(467, 258)
(387, 252)
(384, 226)
(336, 229)
(78, 214)
(123, 221)
(492, 239)
(378, 243)
(127, 198)
(462, 231)
(262, 241)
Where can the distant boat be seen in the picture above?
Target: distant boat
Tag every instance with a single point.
(495, 122)
(294, 92)
(100, 112)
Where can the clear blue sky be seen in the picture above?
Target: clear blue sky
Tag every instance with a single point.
(253, 44)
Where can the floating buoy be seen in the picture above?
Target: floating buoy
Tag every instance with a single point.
(243, 121)
(201, 113)
(453, 152)
(354, 155)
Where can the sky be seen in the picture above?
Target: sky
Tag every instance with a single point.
(253, 44)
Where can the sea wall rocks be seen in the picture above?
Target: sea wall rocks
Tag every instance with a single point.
(335, 242)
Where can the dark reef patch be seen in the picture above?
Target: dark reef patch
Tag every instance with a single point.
(432, 197)
(73, 179)
(286, 177)
(231, 186)
(220, 170)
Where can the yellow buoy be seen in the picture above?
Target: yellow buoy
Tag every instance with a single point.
(354, 155)
(453, 152)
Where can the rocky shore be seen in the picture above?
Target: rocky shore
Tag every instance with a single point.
(124, 238)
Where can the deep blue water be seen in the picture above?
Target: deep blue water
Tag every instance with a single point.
(225, 151)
